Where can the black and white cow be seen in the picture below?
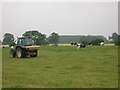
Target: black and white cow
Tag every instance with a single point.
(78, 45)
(101, 44)
(81, 46)
(90, 44)
(73, 43)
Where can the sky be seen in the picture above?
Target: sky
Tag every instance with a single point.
(64, 18)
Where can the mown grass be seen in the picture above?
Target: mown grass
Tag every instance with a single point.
(63, 67)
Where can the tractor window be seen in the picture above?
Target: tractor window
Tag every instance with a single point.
(27, 41)
(19, 42)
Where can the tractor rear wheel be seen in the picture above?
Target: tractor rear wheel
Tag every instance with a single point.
(35, 55)
(20, 52)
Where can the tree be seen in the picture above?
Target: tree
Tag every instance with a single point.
(38, 37)
(8, 39)
(53, 38)
(115, 38)
(12, 44)
(41, 39)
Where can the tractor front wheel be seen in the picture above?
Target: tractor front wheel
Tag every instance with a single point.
(12, 54)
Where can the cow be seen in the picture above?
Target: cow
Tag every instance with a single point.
(101, 44)
(78, 45)
(81, 46)
(90, 44)
(72, 43)
(75, 43)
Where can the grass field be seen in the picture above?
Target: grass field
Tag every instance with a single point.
(63, 67)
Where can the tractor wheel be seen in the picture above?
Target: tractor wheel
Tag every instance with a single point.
(35, 55)
(20, 52)
(12, 54)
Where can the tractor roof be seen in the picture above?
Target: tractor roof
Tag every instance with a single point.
(25, 37)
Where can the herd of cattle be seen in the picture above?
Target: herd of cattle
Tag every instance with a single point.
(80, 45)
(83, 45)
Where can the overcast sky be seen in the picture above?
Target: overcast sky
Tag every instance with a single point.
(65, 18)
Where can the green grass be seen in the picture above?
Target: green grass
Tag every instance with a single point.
(63, 67)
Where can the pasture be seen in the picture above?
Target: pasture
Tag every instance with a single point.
(62, 67)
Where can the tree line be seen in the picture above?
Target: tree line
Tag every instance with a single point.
(95, 40)
(54, 38)
(39, 38)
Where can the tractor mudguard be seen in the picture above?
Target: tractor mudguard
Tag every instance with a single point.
(32, 47)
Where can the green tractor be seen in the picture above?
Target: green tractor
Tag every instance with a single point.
(24, 47)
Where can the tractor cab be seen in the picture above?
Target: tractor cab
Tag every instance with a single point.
(25, 41)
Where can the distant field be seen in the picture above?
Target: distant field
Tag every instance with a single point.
(63, 67)
(4, 45)
(109, 44)
(70, 44)
(59, 45)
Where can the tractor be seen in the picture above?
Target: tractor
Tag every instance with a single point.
(24, 47)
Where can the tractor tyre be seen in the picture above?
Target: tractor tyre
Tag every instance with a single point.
(20, 53)
(35, 55)
(12, 54)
